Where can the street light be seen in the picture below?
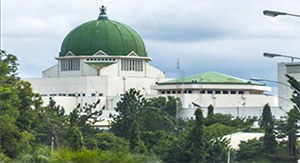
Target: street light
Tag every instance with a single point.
(276, 13)
(272, 55)
(273, 81)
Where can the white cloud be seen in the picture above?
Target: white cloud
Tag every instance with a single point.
(226, 36)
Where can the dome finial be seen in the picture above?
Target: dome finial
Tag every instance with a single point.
(102, 14)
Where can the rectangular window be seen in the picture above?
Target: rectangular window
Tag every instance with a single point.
(209, 92)
(225, 92)
(233, 92)
(132, 65)
(218, 92)
(241, 92)
(202, 91)
(70, 64)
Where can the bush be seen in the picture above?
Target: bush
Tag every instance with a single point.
(68, 156)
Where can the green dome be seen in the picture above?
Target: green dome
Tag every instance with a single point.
(112, 37)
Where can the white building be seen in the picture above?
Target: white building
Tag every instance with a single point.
(285, 92)
(102, 58)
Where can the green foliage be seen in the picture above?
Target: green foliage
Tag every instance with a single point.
(76, 139)
(18, 102)
(268, 125)
(170, 105)
(218, 150)
(135, 143)
(4, 158)
(153, 119)
(52, 119)
(292, 128)
(108, 141)
(250, 151)
(41, 154)
(130, 104)
(218, 130)
(198, 141)
(293, 119)
(68, 156)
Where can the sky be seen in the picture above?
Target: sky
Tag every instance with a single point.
(205, 35)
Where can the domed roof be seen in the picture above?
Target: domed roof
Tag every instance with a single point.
(112, 37)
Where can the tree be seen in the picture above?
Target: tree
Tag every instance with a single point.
(170, 105)
(108, 141)
(18, 104)
(210, 112)
(293, 118)
(198, 140)
(210, 118)
(250, 151)
(76, 139)
(292, 128)
(267, 123)
(128, 107)
(52, 119)
(135, 143)
(153, 119)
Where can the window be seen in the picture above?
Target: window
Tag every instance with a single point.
(62, 94)
(93, 94)
(202, 91)
(218, 92)
(168, 92)
(100, 94)
(178, 91)
(43, 95)
(132, 65)
(225, 92)
(162, 92)
(70, 64)
(83, 94)
(173, 92)
(72, 94)
(209, 92)
(52, 95)
(190, 91)
(241, 92)
(233, 92)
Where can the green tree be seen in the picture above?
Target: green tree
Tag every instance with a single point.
(171, 105)
(292, 128)
(135, 143)
(153, 119)
(52, 119)
(108, 141)
(18, 104)
(210, 118)
(218, 149)
(268, 125)
(198, 140)
(293, 118)
(76, 139)
(250, 151)
(128, 107)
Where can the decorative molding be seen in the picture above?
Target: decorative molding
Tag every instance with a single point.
(132, 54)
(100, 52)
(70, 54)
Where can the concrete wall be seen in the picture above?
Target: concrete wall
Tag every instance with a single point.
(284, 92)
(242, 112)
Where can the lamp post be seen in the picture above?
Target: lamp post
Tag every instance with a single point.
(272, 55)
(277, 13)
(273, 81)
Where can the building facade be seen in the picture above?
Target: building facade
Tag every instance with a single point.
(103, 58)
